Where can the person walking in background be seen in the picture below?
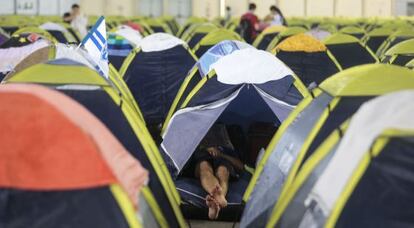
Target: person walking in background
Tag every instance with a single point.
(275, 17)
(228, 15)
(249, 24)
(78, 20)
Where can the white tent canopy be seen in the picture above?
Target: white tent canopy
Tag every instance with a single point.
(160, 42)
(130, 34)
(10, 57)
(64, 51)
(53, 26)
(250, 66)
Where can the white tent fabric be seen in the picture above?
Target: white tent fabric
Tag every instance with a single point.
(318, 34)
(176, 143)
(72, 53)
(160, 42)
(250, 66)
(390, 111)
(280, 108)
(10, 57)
(216, 52)
(130, 34)
(53, 26)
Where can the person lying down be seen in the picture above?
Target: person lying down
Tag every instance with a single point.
(215, 163)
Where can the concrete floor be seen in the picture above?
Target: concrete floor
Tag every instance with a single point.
(205, 223)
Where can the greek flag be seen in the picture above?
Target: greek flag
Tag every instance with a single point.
(96, 45)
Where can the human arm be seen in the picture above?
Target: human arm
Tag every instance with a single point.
(216, 152)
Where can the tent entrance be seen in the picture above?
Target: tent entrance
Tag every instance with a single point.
(250, 124)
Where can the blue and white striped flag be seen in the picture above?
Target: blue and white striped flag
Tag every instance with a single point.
(96, 45)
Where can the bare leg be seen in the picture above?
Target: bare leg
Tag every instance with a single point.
(207, 178)
(222, 174)
(209, 182)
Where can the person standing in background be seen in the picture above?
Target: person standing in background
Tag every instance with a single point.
(275, 17)
(67, 17)
(249, 24)
(228, 14)
(79, 21)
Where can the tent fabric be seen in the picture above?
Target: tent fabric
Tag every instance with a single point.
(10, 57)
(118, 49)
(3, 36)
(404, 47)
(368, 80)
(393, 165)
(212, 39)
(376, 37)
(176, 138)
(100, 104)
(133, 36)
(400, 54)
(366, 125)
(265, 41)
(290, 31)
(72, 53)
(58, 51)
(299, 139)
(70, 57)
(201, 69)
(256, 67)
(53, 26)
(90, 207)
(265, 37)
(155, 77)
(195, 39)
(357, 32)
(296, 208)
(393, 39)
(217, 52)
(33, 33)
(214, 96)
(160, 42)
(345, 108)
(38, 74)
(59, 32)
(308, 58)
(21, 40)
(276, 168)
(318, 34)
(10, 29)
(311, 68)
(104, 159)
(349, 51)
(38, 56)
(301, 42)
(273, 29)
(197, 33)
(97, 95)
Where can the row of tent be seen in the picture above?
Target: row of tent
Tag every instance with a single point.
(299, 102)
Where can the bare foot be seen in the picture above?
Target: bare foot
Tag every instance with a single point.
(219, 197)
(213, 207)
